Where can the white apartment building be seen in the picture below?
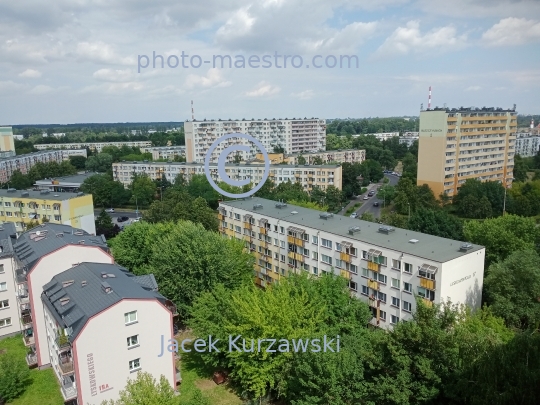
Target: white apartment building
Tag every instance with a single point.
(103, 325)
(385, 266)
(294, 135)
(408, 138)
(9, 308)
(165, 152)
(93, 146)
(527, 144)
(383, 136)
(40, 254)
(330, 156)
(308, 175)
(24, 162)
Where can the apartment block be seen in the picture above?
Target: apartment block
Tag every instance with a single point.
(325, 157)
(408, 138)
(7, 143)
(65, 183)
(527, 144)
(9, 311)
(165, 152)
(385, 266)
(103, 325)
(308, 175)
(381, 136)
(293, 135)
(93, 146)
(22, 207)
(466, 143)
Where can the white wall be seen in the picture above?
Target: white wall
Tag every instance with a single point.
(104, 338)
(7, 275)
(42, 273)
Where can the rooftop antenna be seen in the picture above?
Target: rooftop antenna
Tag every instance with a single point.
(429, 99)
(532, 123)
(422, 107)
(192, 112)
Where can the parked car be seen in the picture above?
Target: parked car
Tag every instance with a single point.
(366, 197)
(123, 219)
(136, 220)
(354, 215)
(376, 204)
(110, 210)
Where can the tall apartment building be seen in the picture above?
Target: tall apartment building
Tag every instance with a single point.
(384, 266)
(527, 144)
(294, 135)
(103, 325)
(22, 207)
(329, 156)
(23, 163)
(9, 311)
(93, 146)
(165, 152)
(466, 143)
(7, 143)
(308, 175)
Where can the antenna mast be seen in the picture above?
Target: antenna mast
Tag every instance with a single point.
(192, 112)
(429, 99)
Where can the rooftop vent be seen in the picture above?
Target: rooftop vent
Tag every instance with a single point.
(81, 242)
(413, 241)
(280, 205)
(84, 283)
(64, 301)
(106, 287)
(103, 274)
(326, 215)
(465, 247)
(59, 235)
(257, 207)
(25, 194)
(44, 192)
(78, 233)
(353, 230)
(386, 229)
(80, 193)
(11, 190)
(67, 283)
(110, 275)
(294, 212)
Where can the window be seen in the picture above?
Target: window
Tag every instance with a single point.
(7, 204)
(237, 217)
(282, 244)
(306, 267)
(281, 230)
(425, 274)
(394, 319)
(365, 272)
(5, 322)
(130, 317)
(236, 227)
(422, 292)
(1, 268)
(282, 258)
(382, 296)
(407, 287)
(353, 286)
(338, 247)
(364, 254)
(395, 283)
(3, 286)
(339, 263)
(380, 260)
(353, 268)
(396, 264)
(395, 302)
(408, 268)
(135, 365)
(9, 214)
(326, 243)
(380, 277)
(133, 341)
(407, 306)
(382, 315)
(315, 270)
(4, 304)
(315, 240)
(315, 256)
(305, 237)
(365, 290)
(326, 259)
(276, 242)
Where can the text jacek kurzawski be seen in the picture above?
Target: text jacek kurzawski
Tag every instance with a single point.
(239, 344)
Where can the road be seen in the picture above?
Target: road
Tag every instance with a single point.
(119, 213)
(367, 205)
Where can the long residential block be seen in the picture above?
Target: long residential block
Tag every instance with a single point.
(93, 146)
(385, 266)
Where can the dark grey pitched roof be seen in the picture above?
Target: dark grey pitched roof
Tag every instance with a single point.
(147, 281)
(72, 305)
(8, 234)
(46, 238)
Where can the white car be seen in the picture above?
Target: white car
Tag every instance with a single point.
(110, 210)
(354, 215)
(136, 220)
(366, 197)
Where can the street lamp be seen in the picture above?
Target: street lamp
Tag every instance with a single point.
(504, 200)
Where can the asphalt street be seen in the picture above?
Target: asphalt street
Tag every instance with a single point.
(367, 205)
(119, 213)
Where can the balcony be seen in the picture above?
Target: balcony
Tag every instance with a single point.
(28, 338)
(31, 359)
(373, 284)
(427, 302)
(345, 274)
(26, 320)
(21, 277)
(373, 266)
(68, 391)
(345, 257)
(62, 343)
(65, 364)
(428, 284)
(178, 376)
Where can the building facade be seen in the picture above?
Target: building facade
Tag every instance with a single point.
(527, 144)
(22, 207)
(293, 135)
(9, 309)
(90, 299)
(309, 176)
(384, 266)
(93, 146)
(7, 143)
(329, 156)
(70, 184)
(460, 144)
(408, 138)
(165, 152)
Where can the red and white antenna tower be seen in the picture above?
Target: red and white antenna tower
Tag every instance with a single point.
(429, 99)
(192, 112)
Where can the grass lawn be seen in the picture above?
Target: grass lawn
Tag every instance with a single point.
(44, 388)
(196, 375)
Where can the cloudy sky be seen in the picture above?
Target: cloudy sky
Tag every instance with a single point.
(73, 61)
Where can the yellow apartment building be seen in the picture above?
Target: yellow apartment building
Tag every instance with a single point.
(467, 143)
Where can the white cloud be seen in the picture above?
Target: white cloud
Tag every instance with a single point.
(512, 31)
(263, 89)
(41, 89)
(213, 78)
(112, 75)
(101, 52)
(9, 86)
(115, 88)
(473, 88)
(30, 74)
(409, 39)
(304, 95)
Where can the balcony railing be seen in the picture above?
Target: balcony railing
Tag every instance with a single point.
(63, 344)
(68, 391)
(21, 278)
(29, 340)
(31, 359)
(65, 365)
(26, 320)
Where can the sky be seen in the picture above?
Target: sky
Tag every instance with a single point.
(81, 61)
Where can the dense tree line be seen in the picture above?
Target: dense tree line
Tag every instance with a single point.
(39, 171)
(372, 125)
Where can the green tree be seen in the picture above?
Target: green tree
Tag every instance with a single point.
(386, 193)
(410, 166)
(146, 390)
(185, 258)
(436, 222)
(14, 376)
(520, 169)
(99, 163)
(512, 289)
(199, 186)
(317, 160)
(301, 160)
(142, 189)
(334, 198)
(367, 216)
(406, 196)
(105, 226)
(502, 236)
(105, 191)
(79, 162)
(197, 398)
(19, 181)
